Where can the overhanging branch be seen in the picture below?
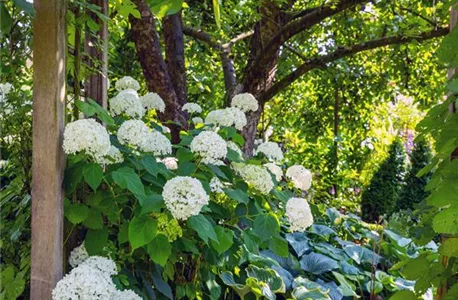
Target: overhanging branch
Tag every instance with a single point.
(321, 61)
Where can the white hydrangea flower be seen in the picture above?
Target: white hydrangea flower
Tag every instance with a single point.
(192, 108)
(157, 143)
(165, 129)
(171, 163)
(275, 170)
(114, 156)
(86, 135)
(246, 102)
(5, 89)
(127, 102)
(153, 101)
(127, 82)
(210, 146)
(84, 282)
(126, 295)
(197, 120)
(234, 147)
(299, 214)
(256, 176)
(300, 176)
(216, 186)
(133, 132)
(184, 197)
(77, 256)
(271, 150)
(103, 264)
(230, 116)
(258, 142)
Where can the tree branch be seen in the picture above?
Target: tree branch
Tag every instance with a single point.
(203, 36)
(418, 15)
(341, 52)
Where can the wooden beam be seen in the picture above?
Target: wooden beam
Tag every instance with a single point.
(48, 159)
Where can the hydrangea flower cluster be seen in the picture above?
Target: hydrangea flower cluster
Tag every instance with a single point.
(168, 226)
(210, 146)
(153, 101)
(138, 134)
(90, 279)
(271, 150)
(216, 186)
(86, 135)
(300, 176)
(234, 147)
(113, 156)
(127, 82)
(77, 256)
(127, 102)
(256, 176)
(197, 120)
(230, 116)
(192, 108)
(5, 89)
(275, 170)
(184, 197)
(245, 102)
(299, 214)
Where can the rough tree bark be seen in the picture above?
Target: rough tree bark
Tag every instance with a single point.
(48, 159)
(96, 47)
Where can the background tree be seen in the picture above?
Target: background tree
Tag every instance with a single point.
(382, 194)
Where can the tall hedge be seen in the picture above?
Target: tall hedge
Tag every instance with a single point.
(414, 189)
(381, 196)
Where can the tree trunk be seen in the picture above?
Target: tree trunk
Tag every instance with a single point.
(96, 47)
(154, 67)
(48, 160)
(262, 78)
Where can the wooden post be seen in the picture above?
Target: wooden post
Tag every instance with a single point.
(48, 160)
(96, 47)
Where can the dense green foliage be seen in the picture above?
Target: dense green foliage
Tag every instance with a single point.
(413, 191)
(382, 194)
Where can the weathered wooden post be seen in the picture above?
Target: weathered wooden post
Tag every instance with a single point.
(48, 159)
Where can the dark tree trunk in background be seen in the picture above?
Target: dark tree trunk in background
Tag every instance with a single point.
(155, 69)
(96, 47)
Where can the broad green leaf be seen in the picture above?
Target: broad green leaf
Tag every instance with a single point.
(225, 239)
(94, 219)
(317, 263)
(416, 268)
(76, 213)
(446, 221)
(203, 227)
(266, 276)
(150, 165)
(126, 177)
(404, 295)
(361, 254)
(5, 19)
(217, 13)
(96, 240)
(25, 6)
(186, 168)
(237, 195)
(152, 203)
(449, 247)
(300, 242)
(160, 249)
(93, 174)
(452, 293)
(142, 231)
(266, 226)
(85, 108)
(279, 246)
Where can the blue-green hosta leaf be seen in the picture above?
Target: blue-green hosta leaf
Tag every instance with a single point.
(403, 284)
(317, 263)
(300, 243)
(348, 289)
(228, 279)
(289, 263)
(273, 280)
(286, 276)
(361, 254)
(396, 238)
(373, 287)
(306, 289)
(322, 230)
(348, 269)
(330, 250)
(332, 214)
(335, 293)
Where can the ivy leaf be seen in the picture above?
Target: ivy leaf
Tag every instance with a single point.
(266, 226)
(142, 231)
(126, 177)
(160, 249)
(203, 227)
(76, 213)
(93, 174)
(96, 240)
(225, 239)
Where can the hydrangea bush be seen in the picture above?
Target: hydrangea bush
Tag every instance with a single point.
(198, 219)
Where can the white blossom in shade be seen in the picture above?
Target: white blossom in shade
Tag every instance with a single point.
(5, 89)
(300, 177)
(114, 156)
(271, 150)
(258, 142)
(268, 133)
(102, 264)
(156, 143)
(256, 176)
(165, 129)
(197, 120)
(125, 295)
(192, 108)
(184, 197)
(84, 282)
(230, 116)
(133, 132)
(234, 147)
(86, 135)
(153, 101)
(210, 146)
(216, 186)
(299, 214)
(171, 163)
(275, 170)
(127, 102)
(77, 256)
(246, 102)
(127, 82)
